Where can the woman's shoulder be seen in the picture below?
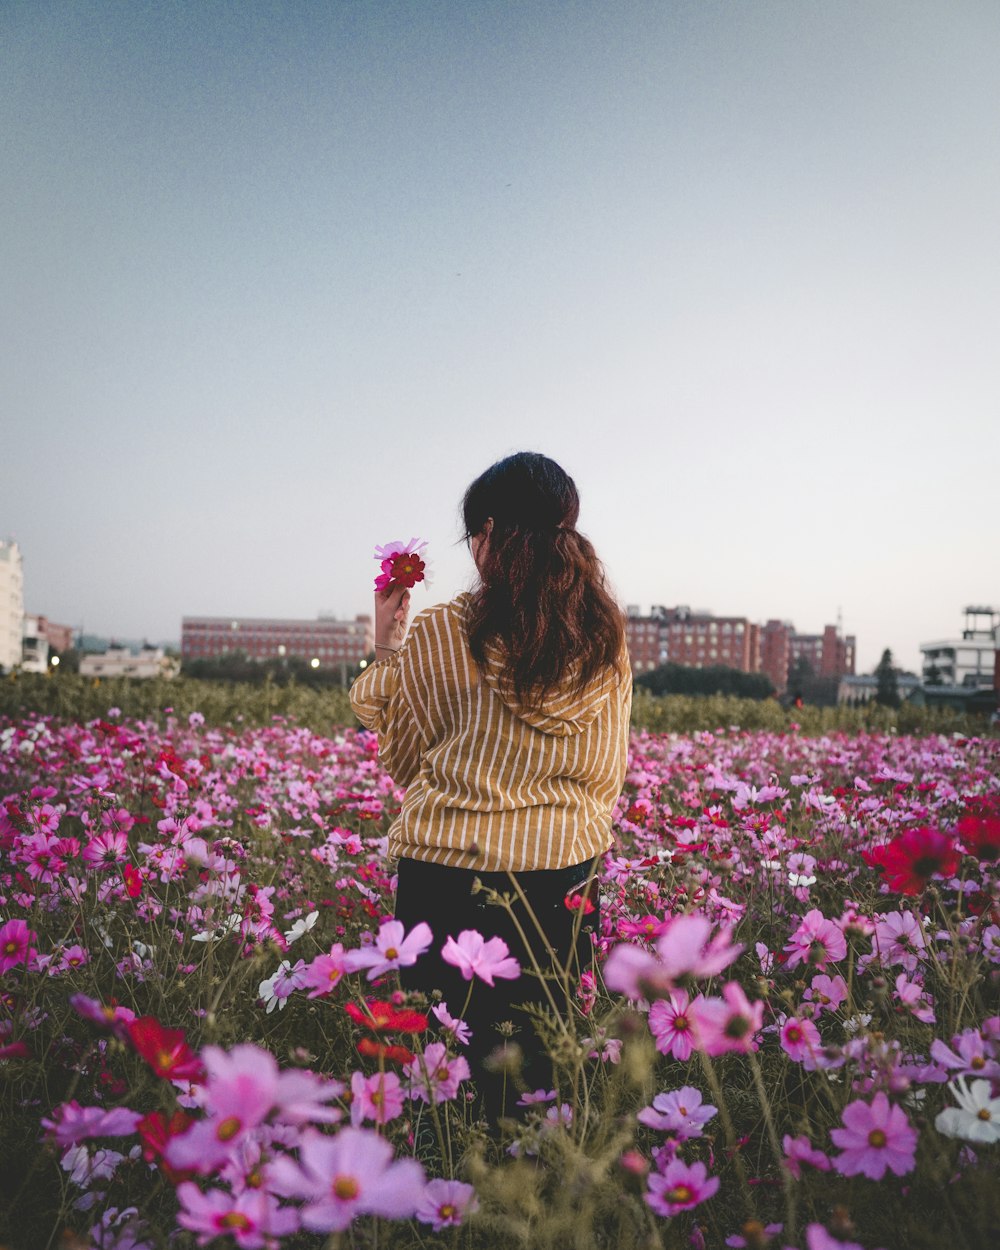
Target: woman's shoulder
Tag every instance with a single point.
(449, 615)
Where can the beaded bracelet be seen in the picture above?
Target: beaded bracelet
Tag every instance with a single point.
(380, 646)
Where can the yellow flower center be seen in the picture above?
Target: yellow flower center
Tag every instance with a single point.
(984, 1114)
(234, 1219)
(977, 1062)
(876, 1138)
(228, 1128)
(345, 1188)
(392, 953)
(447, 1212)
(680, 1193)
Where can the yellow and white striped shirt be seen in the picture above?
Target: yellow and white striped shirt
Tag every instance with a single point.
(492, 785)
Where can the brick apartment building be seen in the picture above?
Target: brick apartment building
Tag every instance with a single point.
(332, 642)
(701, 640)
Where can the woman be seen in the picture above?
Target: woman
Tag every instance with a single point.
(505, 714)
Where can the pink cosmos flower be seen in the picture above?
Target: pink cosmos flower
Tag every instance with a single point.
(970, 1054)
(817, 941)
(16, 945)
(876, 1137)
(679, 1187)
(899, 939)
(323, 975)
(401, 564)
(472, 955)
(108, 1017)
(670, 1022)
(683, 950)
(679, 1112)
(799, 1150)
(379, 1097)
(459, 1030)
(71, 1123)
(434, 1077)
(826, 992)
(253, 1218)
(913, 998)
(800, 1039)
(727, 1023)
(446, 1204)
(106, 849)
(345, 1176)
(391, 949)
(817, 1238)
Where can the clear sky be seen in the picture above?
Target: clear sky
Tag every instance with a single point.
(281, 278)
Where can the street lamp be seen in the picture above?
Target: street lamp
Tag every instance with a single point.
(55, 661)
(314, 663)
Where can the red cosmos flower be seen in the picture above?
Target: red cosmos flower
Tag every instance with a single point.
(156, 1131)
(401, 565)
(579, 902)
(383, 1017)
(133, 881)
(980, 835)
(910, 860)
(165, 1050)
(377, 1050)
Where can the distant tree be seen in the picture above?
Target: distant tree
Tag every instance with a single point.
(719, 679)
(933, 677)
(887, 692)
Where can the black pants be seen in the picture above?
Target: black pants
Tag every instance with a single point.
(444, 898)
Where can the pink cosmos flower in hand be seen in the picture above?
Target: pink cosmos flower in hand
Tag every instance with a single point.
(401, 563)
(877, 1137)
(253, 1218)
(473, 955)
(391, 949)
(345, 1176)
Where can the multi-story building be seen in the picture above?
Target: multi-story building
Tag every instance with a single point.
(11, 604)
(334, 643)
(701, 640)
(971, 661)
(117, 661)
(59, 637)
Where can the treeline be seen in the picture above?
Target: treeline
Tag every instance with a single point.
(292, 670)
(719, 679)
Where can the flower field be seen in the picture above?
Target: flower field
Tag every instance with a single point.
(790, 1036)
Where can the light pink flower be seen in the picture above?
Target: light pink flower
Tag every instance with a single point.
(817, 941)
(472, 955)
(876, 1137)
(680, 1112)
(323, 975)
(459, 1030)
(799, 1150)
(826, 992)
(71, 1123)
(434, 1076)
(341, 1177)
(391, 949)
(379, 1097)
(670, 1022)
(684, 949)
(727, 1023)
(817, 1238)
(446, 1204)
(253, 1218)
(679, 1187)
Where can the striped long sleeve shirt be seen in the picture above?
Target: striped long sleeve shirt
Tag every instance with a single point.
(491, 785)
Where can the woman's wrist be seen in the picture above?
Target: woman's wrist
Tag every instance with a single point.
(384, 646)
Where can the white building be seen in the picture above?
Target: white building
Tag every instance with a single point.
(35, 653)
(968, 661)
(11, 604)
(120, 662)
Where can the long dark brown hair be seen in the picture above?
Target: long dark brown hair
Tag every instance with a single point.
(542, 595)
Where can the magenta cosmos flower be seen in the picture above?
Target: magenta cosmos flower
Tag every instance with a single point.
(679, 1187)
(877, 1137)
(352, 1174)
(727, 1023)
(473, 955)
(393, 948)
(671, 1022)
(16, 944)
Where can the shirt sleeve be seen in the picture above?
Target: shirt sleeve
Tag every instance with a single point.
(380, 704)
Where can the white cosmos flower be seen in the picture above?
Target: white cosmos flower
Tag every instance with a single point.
(977, 1116)
(301, 927)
